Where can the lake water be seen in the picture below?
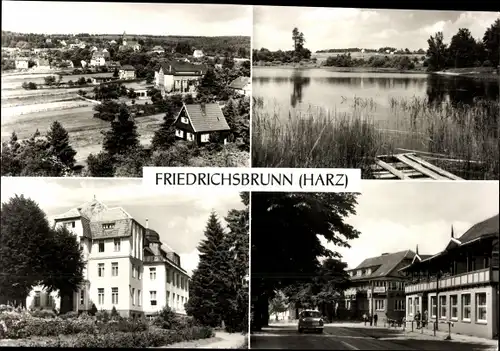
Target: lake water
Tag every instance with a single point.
(305, 88)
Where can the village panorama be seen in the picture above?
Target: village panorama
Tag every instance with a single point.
(105, 105)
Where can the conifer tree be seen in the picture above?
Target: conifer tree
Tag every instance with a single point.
(123, 135)
(60, 147)
(208, 288)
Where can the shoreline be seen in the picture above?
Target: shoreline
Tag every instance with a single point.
(449, 73)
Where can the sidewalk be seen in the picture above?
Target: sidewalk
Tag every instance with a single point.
(428, 334)
(222, 340)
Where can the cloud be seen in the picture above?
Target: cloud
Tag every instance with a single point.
(326, 28)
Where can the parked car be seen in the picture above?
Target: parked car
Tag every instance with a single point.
(310, 320)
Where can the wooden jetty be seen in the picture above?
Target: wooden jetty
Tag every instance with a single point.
(408, 166)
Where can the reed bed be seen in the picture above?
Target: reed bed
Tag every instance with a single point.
(464, 136)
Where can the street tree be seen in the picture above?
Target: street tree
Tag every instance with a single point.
(278, 304)
(286, 245)
(123, 136)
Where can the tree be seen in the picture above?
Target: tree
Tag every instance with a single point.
(100, 165)
(208, 288)
(437, 52)
(164, 137)
(237, 241)
(285, 240)
(11, 164)
(115, 73)
(463, 50)
(208, 87)
(123, 136)
(278, 304)
(65, 267)
(49, 80)
(491, 41)
(58, 139)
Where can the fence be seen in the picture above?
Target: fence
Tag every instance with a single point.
(417, 325)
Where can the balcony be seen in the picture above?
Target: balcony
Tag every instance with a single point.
(482, 276)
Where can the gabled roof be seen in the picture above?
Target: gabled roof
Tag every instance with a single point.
(383, 265)
(128, 68)
(122, 228)
(240, 82)
(173, 67)
(158, 47)
(486, 227)
(205, 117)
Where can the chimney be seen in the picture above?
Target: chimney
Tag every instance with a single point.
(452, 234)
(203, 108)
(147, 223)
(416, 250)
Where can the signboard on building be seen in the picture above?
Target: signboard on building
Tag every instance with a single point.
(379, 289)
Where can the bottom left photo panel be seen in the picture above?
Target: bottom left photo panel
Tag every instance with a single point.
(111, 263)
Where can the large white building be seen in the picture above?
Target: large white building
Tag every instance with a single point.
(127, 266)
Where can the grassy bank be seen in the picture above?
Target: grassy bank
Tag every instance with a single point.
(466, 135)
(342, 69)
(483, 73)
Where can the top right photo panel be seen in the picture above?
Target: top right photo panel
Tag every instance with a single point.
(400, 94)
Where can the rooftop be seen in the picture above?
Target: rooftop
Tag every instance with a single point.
(240, 82)
(382, 265)
(206, 117)
(487, 227)
(184, 67)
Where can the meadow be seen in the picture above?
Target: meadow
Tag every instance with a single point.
(462, 139)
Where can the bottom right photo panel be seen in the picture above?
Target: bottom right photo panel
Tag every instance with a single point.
(399, 266)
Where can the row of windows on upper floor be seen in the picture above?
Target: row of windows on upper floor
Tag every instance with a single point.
(176, 279)
(136, 298)
(72, 224)
(388, 284)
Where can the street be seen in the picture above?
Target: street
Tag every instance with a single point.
(350, 338)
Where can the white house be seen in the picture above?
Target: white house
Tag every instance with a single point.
(198, 53)
(99, 58)
(127, 72)
(158, 49)
(22, 62)
(181, 77)
(127, 267)
(241, 85)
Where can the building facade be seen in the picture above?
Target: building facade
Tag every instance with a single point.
(377, 287)
(178, 77)
(198, 122)
(126, 72)
(459, 285)
(119, 271)
(242, 85)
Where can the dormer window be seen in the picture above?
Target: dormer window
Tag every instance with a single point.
(108, 226)
(184, 120)
(368, 271)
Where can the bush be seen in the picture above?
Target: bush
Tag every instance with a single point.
(114, 312)
(69, 315)
(93, 310)
(102, 315)
(43, 314)
(166, 319)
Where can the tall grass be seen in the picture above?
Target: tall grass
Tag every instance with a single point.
(465, 137)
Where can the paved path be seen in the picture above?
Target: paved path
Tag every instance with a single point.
(352, 338)
(222, 340)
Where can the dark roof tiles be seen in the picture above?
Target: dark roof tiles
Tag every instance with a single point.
(486, 227)
(383, 265)
(240, 83)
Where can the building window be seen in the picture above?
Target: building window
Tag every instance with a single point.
(152, 297)
(205, 137)
(433, 307)
(399, 305)
(184, 120)
(108, 226)
(152, 273)
(380, 305)
(73, 224)
(139, 272)
(117, 245)
(114, 296)
(101, 245)
(139, 301)
(189, 136)
(134, 272)
(442, 307)
(168, 297)
(114, 269)
(100, 295)
(133, 297)
(100, 269)
(466, 307)
(178, 281)
(37, 298)
(168, 276)
(179, 133)
(173, 300)
(82, 297)
(481, 307)
(454, 307)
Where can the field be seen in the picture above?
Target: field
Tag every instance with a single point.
(466, 135)
(26, 111)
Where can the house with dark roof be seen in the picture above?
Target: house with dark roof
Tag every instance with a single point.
(158, 49)
(377, 287)
(126, 72)
(459, 285)
(178, 77)
(241, 85)
(99, 58)
(200, 122)
(126, 265)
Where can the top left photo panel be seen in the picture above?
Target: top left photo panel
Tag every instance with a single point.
(122, 86)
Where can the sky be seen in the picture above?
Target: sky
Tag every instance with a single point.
(397, 216)
(337, 28)
(179, 218)
(134, 18)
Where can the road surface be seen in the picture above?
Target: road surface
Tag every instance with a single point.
(343, 338)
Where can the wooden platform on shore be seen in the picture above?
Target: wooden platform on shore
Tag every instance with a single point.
(408, 166)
